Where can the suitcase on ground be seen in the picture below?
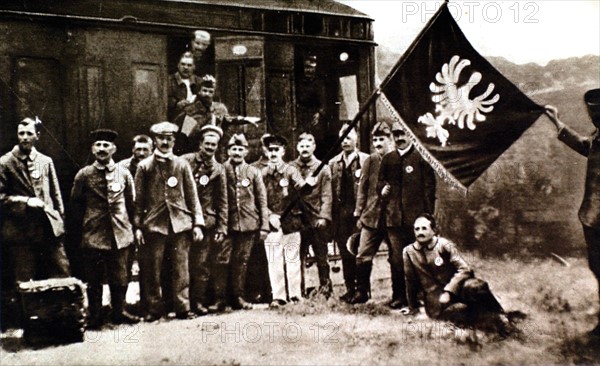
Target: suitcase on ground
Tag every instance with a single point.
(54, 311)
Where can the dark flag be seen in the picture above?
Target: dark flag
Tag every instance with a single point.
(461, 113)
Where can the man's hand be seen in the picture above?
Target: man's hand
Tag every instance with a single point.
(321, 224)
(197, 234)
(274, 220)
(182, 103)
(139, 237)
(219, 237)
(386, 190)
(263, 235)
(445, 297)
(552, 113)
(35, 202)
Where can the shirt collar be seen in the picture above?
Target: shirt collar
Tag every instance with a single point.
(167, 156)
(19, 154)
(110, 167)
(209, 162)
(434, 242)
(403, 152)
(348, 160)
(313, 160)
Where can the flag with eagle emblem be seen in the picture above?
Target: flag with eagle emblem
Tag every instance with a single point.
(460, 112)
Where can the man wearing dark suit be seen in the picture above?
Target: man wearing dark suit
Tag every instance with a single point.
(589, 212)
(103, 196)
(183, 86)
(407, 186)
(31, 209)
(209, 261)
(346, 169)
(168, 218)
(248, 214)
(369, 213)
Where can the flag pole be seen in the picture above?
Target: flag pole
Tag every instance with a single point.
(367, 104)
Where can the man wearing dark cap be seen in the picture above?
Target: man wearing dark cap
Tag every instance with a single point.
(209, 260)
(168, 218)
(317, 208)
(103, 196)
(31, 209)
(346, 170)
(589, 212)
(248, 214)
(282, 244)
(407, 188)
(368, 212)
(258, 286)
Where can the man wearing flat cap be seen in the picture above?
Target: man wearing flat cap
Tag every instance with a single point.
(103, 195)
(31, 210)
(589, 212)
(282, 244)
(369, 212)
(407, 188)
(209, 260)
(248, 214)
(168, 218)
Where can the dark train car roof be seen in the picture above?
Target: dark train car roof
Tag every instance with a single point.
(329, 7)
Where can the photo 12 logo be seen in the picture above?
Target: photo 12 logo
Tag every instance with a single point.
(488, 11)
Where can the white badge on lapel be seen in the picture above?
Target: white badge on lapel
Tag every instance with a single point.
(409, 169)
(172, 181)
(115, 187)
(438, 261)
(35, 174)
(245, 182)
(204, 180)
(357, 173)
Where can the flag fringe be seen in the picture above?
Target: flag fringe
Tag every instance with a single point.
(430, 159)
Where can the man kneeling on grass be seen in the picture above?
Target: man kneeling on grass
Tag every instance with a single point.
(433, 265)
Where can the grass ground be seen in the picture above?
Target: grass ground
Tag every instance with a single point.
(560, 303)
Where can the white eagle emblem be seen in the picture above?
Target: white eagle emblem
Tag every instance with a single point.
(453, 105)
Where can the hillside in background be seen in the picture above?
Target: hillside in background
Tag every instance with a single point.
(527, 201)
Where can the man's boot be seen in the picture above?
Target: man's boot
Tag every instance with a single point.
(238, 276)
(119, 314)
(398, 300)
(220, 285)
(363, 283)
(325, 285)
(94, 293)
(349, 269)
(198, 298)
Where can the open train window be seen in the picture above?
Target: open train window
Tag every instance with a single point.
(276, 22)
(313, 25)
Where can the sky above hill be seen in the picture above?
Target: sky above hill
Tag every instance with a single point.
(520, 31)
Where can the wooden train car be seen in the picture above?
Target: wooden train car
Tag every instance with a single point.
(84, 64)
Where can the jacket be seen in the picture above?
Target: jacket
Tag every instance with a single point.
(319, 200)
(412, 183)
(368, 200)
(433, 270)
(23, 177)
(211, 184)
(178, 91)
(247, 197)
(166, 196)
(104, 197)
(336, 164)
(589, 211)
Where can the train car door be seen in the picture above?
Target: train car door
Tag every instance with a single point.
(240, 73)
(123, 83)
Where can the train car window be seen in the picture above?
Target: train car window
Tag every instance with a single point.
(313, 25)
(359, 29)
(276, 22)
(297, 23)
(335, 27)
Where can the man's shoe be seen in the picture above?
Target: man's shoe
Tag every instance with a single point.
(95, 323)
(240, 304)
(295, 300)
(217, 307)
(396, 304)
(277, 303)
(326, 289)
(200, 310)
(125, 317)
(151, 318)
(347, 297)
(183, 315)
(360, 298)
